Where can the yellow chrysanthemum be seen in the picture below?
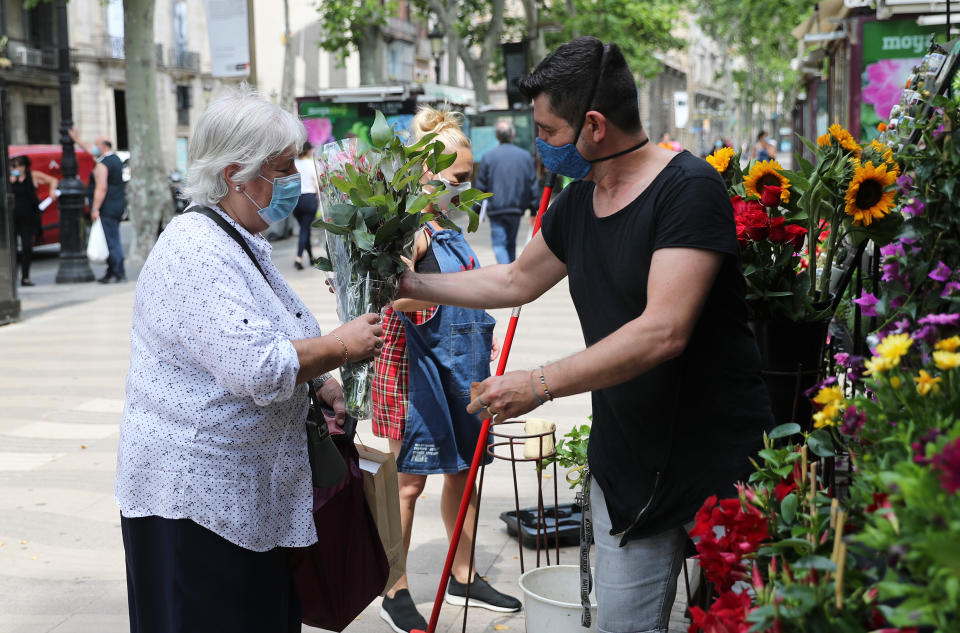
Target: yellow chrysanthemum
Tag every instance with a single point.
(764, 173)
(844, 138)
(828, 395)
(878, 365)
(948, 344)
(927, 383)
(946, 360)
(720, 159)
(828, 415)
(894, 346)
(867, 196)
(885, 151)
(895, 382)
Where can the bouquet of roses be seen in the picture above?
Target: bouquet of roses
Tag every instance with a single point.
(372, 205)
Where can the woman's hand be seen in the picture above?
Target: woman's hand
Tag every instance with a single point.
(332, 393)
(362, 337)
(504, 397)
(494, 349)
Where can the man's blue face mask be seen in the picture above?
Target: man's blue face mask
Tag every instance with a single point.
(567, 160)
(286, 193)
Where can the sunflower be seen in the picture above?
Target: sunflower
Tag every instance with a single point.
(823, 140)
(764, 173)
(720, 159)
(868, 197)
(886, 155)
(844, 138)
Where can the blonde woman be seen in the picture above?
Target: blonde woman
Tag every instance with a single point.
(431, 354)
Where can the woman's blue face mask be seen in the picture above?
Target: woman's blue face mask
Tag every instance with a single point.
(286, 192)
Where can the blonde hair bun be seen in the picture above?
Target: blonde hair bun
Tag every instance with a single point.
(446, 124)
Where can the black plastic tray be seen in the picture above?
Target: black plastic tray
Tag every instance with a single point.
(569, 515)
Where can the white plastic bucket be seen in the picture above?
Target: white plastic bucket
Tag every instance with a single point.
(552, 600)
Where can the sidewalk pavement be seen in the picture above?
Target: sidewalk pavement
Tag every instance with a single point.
(62, 374)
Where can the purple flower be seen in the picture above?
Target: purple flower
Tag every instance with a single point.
(891, 271)
(940, 319)
(928, 333)
(948, 463)
(853, 421)
(867, 303)
(904, 183)
(901, 326)
(893, 249)
(941, 273)
(812, 391)
(950, 288)
(938, 131)
(842, 358)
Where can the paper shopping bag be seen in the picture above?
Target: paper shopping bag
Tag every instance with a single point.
(379, 471)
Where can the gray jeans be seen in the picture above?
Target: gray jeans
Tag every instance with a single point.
(635, 584)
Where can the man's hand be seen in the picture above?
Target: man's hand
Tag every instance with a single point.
(332, 394)
(74, 136)
(504, 397)
(494, 349)
(94, 215)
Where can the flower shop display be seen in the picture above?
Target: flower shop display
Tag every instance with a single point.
(808, 548)
(794, 230)
(372, 205)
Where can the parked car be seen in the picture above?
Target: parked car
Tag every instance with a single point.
(47, 159)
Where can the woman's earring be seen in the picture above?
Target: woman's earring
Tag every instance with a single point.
(237, 187)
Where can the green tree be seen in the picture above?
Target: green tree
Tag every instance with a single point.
(642, 29)
(357, 25)
(758, 32)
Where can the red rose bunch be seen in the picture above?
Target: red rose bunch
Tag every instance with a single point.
(753, 224)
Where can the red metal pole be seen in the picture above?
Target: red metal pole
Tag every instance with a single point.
(482, 440)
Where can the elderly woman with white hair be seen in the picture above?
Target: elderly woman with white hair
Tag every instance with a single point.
(213, 478)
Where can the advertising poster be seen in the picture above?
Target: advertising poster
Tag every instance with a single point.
(890, 51)
(327, 121)
(227, 30)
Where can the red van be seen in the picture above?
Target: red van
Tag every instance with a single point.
(46, 159)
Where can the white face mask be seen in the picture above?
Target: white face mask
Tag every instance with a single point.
(450, 191)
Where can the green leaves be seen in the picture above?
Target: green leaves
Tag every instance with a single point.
(381, 133)
(821, 443)
(784, 430)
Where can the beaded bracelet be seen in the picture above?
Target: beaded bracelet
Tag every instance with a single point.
(543, 382)
(346, 353)
(534, 390)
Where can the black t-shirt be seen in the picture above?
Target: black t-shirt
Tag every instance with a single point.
(664, 441)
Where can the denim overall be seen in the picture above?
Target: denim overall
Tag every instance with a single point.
(444, 356)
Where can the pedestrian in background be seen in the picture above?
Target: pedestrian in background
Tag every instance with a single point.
(213, 477)
(648, 243)
(26, 208)
(431, 355)
(507, 172)
(109, 201)
(306, 210)
(762, 148)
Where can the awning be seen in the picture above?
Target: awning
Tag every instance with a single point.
(820, 25)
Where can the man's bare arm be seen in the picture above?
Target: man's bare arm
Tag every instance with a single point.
(502, 286)
(679, 282)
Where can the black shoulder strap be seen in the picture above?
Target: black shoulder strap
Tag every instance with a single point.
(232, 232)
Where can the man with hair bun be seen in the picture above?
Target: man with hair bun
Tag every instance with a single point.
(648, 243)
(508, 173)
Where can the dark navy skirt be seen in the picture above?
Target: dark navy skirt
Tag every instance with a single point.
(183, 578)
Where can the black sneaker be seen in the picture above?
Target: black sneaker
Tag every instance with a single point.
(481, 595)
(401, 613)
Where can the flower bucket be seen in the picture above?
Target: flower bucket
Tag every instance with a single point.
(551, 600)
(791, 353)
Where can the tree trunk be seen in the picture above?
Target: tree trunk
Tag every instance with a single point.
(286, 87)
(538, 48)
(370, 49)
(479, 67)
(453, 58)
(147, 194)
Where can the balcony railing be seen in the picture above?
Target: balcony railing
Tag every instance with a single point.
(113, 48)
(23, 55)
(185, 59)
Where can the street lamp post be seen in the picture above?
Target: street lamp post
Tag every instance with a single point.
(436, 47)
(74, 266)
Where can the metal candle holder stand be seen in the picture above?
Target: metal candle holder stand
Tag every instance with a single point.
(511, 441)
